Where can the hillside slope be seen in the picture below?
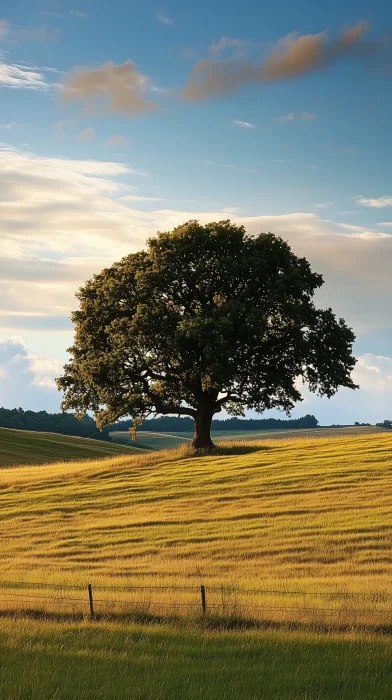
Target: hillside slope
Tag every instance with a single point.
(308, 512)
(161, 441)
(28, 447)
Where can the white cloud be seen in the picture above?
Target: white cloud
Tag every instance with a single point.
(308, 116)
(376, 202)
(62, 220)
(164, 19)
(371, 403)
(324, 205)
(22, 77)
(139, 198)
(27, 380)
(10, 125)
(244, 125)
(385, 223)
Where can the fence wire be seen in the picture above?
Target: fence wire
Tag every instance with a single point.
(17, 595)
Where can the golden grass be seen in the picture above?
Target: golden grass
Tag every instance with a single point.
(298, 514)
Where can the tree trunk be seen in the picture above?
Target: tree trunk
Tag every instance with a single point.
(202, 435)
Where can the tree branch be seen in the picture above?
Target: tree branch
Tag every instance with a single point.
(160, 405)
(228, 397)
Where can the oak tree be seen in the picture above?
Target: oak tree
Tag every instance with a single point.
(205, 318)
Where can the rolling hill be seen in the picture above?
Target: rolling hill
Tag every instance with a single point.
(304, 515)
(157, 441)
(28, 447)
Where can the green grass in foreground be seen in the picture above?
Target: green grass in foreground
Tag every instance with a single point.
(104, 661)
(162, 441)
(29, 447)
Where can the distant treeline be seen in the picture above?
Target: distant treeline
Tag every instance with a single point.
(63, 423)
(168, 424)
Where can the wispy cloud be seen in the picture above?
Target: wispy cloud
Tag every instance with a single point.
(78, 13)
(291, 56)
(140, 198)
(227, 43)
(164, 19)
(376, 202)
(22, 77)
(121, 87)
(10, 125)
(86, 134)
(385, 223)
(324, 205)
(290, 117)
(244, 125)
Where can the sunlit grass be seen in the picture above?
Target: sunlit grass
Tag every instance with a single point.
(107, 661)
(290, 515)
(30, 447)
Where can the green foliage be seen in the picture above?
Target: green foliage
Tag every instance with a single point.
(62, 423)
(206, 318)
(385, 424)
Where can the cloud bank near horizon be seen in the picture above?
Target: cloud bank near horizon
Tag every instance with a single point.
(27, 381)
(62, 220)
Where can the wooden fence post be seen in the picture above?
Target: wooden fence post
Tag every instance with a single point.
(203, 599)
(90, 597)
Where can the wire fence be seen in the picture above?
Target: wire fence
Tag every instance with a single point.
(277, 605)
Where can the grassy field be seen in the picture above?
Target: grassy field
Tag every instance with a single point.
(159, 441)
(28, 447)
(106, 661)
(311, 515)
(150, 440)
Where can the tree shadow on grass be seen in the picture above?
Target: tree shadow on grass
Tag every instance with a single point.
(229, 623)
(239, 449)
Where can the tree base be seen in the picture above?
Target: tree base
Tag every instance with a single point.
(204, 445)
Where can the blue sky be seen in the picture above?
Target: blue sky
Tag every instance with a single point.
(97, 154)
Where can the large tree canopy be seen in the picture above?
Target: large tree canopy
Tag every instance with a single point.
(206, 318)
